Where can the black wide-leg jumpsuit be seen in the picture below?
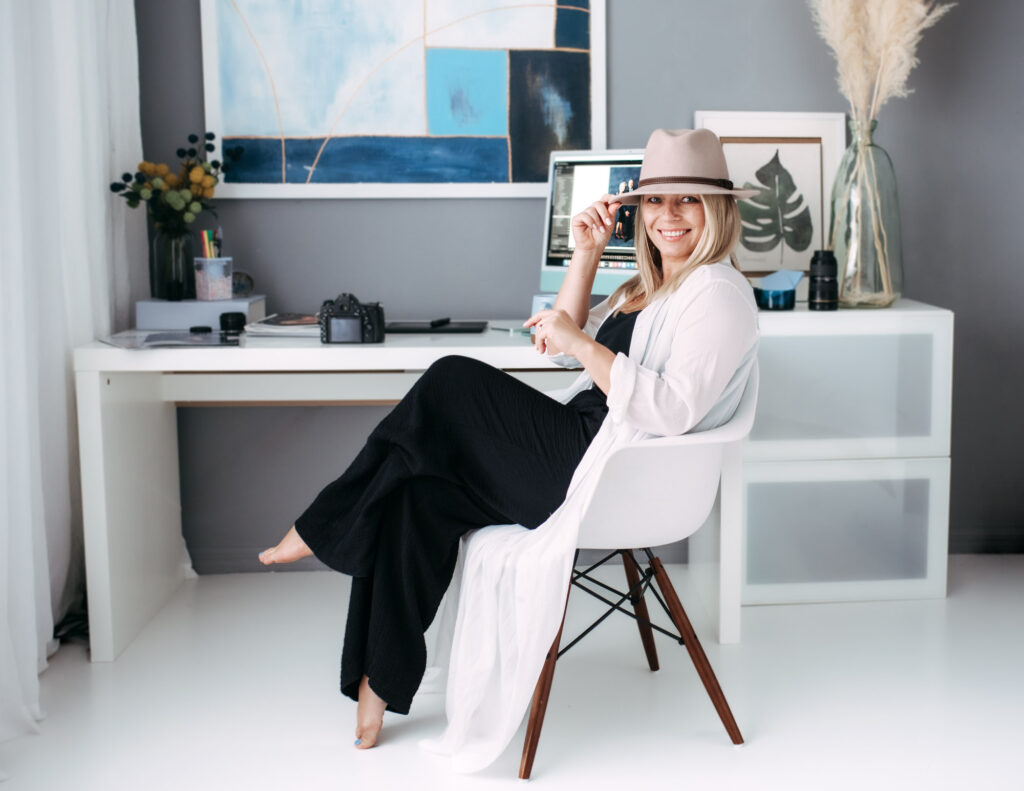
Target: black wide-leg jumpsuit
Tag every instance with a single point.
(467, 447)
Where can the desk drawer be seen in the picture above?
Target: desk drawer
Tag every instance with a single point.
(845, 530)
(284, 389)
(853, 396)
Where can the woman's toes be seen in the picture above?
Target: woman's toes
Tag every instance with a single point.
(366, 736)
(290, 549)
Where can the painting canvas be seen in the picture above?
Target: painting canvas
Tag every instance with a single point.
(791, 160)
(375, 98)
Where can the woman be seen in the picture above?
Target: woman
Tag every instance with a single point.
(621, 214)
(629, 220)
(470, 446)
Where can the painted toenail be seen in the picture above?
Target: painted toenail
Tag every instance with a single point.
(358, 742)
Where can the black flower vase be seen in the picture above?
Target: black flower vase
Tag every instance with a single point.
(171, 275)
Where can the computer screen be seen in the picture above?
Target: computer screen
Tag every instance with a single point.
(575, 180)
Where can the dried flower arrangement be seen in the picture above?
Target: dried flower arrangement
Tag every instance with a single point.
(874, 43)
(175, 197)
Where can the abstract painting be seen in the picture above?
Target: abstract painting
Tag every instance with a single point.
(394, 98)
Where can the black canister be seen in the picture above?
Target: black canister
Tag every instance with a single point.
(823, 287)
(233, 322)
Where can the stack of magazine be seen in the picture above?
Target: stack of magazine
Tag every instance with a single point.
(285, 325)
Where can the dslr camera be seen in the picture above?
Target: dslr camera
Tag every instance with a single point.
(347, 320)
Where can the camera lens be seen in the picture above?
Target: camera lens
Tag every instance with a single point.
(823, 285)
(232, 322)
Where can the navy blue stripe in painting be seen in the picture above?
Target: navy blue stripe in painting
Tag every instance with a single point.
(393, 160)
(548, 109)
(575, 3)
(572, 28)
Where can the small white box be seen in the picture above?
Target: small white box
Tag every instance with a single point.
(161, 314)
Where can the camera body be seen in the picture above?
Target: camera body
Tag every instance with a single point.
(347, 320)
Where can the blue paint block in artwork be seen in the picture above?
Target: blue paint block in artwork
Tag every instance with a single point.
(572, 28)
(467, 92)
(356, 160)
(260, 162)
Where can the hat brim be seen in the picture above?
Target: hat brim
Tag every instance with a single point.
(680, 188)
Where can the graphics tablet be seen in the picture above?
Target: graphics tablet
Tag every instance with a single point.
(434, 327)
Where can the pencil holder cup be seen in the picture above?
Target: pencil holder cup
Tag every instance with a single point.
(213, 278)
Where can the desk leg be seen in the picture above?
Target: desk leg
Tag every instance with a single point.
(716, 550)
(131, 504)
(730, 583)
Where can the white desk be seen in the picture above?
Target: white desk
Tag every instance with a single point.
(856, 403)
(128, 440)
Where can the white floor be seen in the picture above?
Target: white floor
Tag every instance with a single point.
(234, 686)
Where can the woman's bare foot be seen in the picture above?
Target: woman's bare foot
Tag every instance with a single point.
(369, 716)
(291, 548)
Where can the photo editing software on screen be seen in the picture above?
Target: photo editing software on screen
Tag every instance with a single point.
(577, 179)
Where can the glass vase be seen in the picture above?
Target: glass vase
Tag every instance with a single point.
(865, 232)
(171, 275)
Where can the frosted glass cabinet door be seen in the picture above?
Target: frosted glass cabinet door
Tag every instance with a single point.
(845, 530)
(854, 389)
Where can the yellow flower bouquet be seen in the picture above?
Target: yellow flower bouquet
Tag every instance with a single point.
(173, 199)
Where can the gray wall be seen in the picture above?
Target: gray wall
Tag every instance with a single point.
(955, 142)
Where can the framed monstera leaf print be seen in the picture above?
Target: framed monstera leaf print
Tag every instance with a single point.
(791, 159)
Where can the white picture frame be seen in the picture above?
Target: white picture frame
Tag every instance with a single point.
(223, 107)
(809, 145)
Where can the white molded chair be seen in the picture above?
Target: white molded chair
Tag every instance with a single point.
(672, 484)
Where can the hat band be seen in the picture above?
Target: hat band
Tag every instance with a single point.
(724, 183)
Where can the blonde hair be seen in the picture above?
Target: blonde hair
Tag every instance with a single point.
(721, 232)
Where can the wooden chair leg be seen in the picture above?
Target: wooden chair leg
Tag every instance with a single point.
(700, 660)
(640, 608)
(540, 702)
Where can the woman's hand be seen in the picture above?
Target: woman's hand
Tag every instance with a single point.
(592, 227)
(555, 332)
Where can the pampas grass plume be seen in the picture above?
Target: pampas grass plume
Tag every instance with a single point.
(874, 43)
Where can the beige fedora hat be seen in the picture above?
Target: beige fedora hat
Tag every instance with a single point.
(684, 162)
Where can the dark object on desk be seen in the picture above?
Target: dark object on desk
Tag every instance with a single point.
(201, 329)
(232, 322)
(775, 299)
(447, 326)
(347, 320)
(823, 289)
(242, 284)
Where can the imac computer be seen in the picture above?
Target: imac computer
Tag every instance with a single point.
(575, 180)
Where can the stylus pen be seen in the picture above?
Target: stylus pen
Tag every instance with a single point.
(512, 330)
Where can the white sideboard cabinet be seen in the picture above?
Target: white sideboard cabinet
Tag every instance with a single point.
(846, 472)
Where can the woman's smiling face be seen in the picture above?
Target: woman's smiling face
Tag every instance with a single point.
(673, 223)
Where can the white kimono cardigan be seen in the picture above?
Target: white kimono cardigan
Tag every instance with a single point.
(688, 362)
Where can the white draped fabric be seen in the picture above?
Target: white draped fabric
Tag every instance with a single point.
(69, 123)
(690, 357)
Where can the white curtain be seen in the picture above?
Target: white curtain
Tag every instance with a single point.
(69, 124)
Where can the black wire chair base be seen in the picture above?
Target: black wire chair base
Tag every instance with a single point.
(634, 594)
